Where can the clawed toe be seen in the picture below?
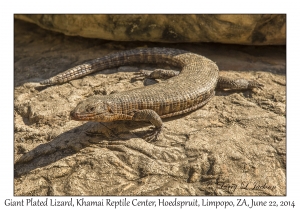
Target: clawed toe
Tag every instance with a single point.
(141, 75)
(254, 84)
(153, 136)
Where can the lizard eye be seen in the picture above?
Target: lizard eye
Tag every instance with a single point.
(90, 109)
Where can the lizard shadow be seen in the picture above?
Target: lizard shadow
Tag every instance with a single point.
(62, 146)
(74, 140)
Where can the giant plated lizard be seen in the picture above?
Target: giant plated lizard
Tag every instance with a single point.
(192, 88)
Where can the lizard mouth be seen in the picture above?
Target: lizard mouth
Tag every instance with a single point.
(82, 117)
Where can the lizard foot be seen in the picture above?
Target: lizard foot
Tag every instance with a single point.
(153, 136)
(254, 84)
(144, 73)
(158, 73)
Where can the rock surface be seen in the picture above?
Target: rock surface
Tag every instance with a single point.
(231, 29)
(235, 145)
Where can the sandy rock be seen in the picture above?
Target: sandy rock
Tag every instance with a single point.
(231, 29)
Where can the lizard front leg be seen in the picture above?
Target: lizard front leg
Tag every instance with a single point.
(136, 115)
(151, 116)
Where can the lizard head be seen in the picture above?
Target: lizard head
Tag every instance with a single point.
(95, 108)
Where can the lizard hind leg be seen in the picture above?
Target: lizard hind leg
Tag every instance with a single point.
(237, 84)
(158, 73)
